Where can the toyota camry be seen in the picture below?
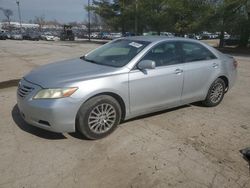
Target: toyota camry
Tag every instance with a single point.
(122, 79)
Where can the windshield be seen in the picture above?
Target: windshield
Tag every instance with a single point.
(117, 53)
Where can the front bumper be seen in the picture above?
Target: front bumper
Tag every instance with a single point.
(56, 115)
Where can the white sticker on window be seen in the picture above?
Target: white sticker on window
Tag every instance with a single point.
(135, 44)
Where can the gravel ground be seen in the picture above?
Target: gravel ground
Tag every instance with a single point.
(190, 146)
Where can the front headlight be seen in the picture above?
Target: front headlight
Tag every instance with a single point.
(55, 93)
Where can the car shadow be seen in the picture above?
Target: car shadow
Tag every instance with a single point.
(78, 135)
(198, 104)
(56, 136)
(33, 130)
(157, 113)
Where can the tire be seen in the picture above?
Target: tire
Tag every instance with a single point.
(215, 93)
(98, 117)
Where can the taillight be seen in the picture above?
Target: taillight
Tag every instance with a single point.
(235, 63)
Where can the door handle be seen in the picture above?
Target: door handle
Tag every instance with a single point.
(178, 71)
(215, 65)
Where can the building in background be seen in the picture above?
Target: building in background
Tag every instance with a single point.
(16, 25)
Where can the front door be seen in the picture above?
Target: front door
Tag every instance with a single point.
(159, 88)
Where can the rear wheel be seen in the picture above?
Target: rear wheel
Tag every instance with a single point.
(215, 93)
(98, 117)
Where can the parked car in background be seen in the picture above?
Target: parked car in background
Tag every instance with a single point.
(3, 36)
(129, 34)
(31, 36)
(115, 35)
(194, 36)
(8, 34)
(150, 33)
(80, 34)
(205, 35)
(104, 35)
(47, 36)
(16, 35)
(94, 35)
(198, 37)
(167, 34)
(123, 79)
(226, 35)
(232, 41)
(214, 36)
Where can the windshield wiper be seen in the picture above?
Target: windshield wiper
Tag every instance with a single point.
(88, 60)
(95, 62)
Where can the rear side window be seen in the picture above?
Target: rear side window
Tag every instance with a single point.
(164, 54)
(195, 52)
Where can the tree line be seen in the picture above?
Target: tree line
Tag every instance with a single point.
(177, 16)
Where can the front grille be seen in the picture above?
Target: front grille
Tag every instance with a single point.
(24, 90)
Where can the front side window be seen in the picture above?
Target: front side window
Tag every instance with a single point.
(195, 52)
(164, 54)
(117, 53)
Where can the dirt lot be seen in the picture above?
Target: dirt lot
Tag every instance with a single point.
(190, 146)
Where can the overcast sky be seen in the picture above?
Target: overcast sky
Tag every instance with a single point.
(61, 10)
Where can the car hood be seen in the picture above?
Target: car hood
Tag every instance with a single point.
(65, 73)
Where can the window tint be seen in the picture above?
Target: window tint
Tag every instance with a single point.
(196, 52)
(163, 54)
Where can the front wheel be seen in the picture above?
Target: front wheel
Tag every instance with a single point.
(98, 117)
(215, 93)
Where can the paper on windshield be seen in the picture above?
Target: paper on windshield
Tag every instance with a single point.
(135, 44)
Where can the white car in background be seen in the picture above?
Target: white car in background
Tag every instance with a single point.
(168, 34)
(94, 35)
(115, 35)
(226, 35)
(16, 36)
(48, 36)
(198, 37)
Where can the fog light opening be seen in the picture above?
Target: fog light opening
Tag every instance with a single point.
(44, 122)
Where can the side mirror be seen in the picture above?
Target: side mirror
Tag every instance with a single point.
(146, 64)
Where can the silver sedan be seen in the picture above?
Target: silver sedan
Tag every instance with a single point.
(123, 79)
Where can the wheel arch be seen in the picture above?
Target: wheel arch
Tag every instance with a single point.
(225, 79)
(117, 97)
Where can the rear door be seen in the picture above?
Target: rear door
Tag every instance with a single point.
(200, 68)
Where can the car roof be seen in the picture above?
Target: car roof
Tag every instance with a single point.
(157, 38)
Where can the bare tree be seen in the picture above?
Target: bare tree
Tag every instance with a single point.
(7, 13)
(54, 23)
(40, 20)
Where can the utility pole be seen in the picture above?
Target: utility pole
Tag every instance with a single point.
(248, 8)
(19, 13)
(122, 15)
(136, 17)
(89, 18)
